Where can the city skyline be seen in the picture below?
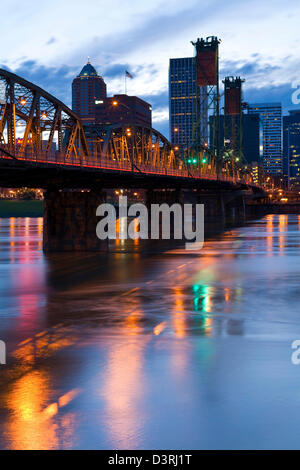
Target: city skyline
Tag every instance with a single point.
(267, 60)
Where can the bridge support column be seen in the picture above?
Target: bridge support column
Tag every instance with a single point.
(236, 211)
(70, 221)
(214, 211)
(160, 196)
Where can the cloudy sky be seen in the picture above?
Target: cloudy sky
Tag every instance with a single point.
(49, 42)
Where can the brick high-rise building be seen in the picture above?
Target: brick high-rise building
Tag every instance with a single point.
(88, 88)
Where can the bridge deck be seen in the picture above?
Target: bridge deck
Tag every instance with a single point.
(48, 166)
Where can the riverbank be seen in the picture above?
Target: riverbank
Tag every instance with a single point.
(21, 208)
(255, 211)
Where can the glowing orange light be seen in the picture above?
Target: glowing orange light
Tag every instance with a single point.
(115, 103)
(158, 329)
(51, 410)
(68, 397)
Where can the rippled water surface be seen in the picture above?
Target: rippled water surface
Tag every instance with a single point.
(135, 350)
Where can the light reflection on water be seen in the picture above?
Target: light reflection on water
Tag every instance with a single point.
(132, 350)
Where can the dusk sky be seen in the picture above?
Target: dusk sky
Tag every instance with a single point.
(49, 42)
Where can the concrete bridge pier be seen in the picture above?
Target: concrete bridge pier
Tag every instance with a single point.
(163, 196)
(214, 205)
(235, 210)
(214, 210)
(70, 221)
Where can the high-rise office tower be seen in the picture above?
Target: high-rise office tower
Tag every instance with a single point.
(88, 88)
(271, 117)
(182, 102)
(291, 147)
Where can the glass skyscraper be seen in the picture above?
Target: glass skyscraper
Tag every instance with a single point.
(182, 102)
(271, 118)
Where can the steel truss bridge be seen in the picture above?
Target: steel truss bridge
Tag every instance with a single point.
(32, 122)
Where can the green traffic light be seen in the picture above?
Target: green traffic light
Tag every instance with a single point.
(204, 160)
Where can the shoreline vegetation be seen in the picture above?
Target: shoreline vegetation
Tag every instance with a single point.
(21, 208)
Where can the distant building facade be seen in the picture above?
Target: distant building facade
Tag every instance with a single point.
(251, 138)
(123, 109)
(291, 148)
(87, 88)
(271, 117)
(182, 102)
(257, 172)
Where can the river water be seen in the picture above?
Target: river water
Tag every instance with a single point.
(132, 350)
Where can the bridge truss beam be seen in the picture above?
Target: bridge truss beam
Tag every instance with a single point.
(30, 119)
(138, 146)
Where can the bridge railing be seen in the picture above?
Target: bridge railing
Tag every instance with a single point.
(104, 163)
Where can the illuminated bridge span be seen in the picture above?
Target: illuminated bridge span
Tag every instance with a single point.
(43, 144)
(31, 120)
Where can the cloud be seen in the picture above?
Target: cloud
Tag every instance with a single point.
(266, 80)
(51, 41)
(151, 30)
(160, 120)
(115, 70)
(55, 80)
(141, 37)
(157, 101)
(281, 93)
